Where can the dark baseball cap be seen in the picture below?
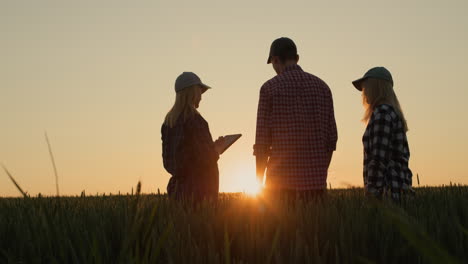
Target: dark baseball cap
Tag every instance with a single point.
(377, 73)
(282, 47)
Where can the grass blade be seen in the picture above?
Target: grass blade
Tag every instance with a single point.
(14, 182)
(418, 238)
(53, 163)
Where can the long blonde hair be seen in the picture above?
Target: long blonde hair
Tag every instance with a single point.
(184, 105)
(377, 92)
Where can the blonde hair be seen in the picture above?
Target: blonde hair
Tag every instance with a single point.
(376, 92)
(184, 105)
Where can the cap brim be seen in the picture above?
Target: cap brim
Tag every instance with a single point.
(269, 59)
(204, 87)
(357, 83)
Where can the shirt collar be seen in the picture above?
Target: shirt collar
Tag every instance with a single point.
(294, 67)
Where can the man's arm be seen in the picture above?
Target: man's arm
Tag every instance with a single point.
(332, 130)
(329, 158)
(263, 133)
(261, 162)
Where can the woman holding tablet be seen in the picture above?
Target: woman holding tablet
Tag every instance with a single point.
(189, 153)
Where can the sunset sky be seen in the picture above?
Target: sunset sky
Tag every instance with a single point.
(98, 76)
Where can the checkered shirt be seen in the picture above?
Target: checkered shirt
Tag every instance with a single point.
(190, 157)
(386, 154)
(296, 129)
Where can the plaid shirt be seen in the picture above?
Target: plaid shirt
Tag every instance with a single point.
(386, 154)
(190, 157)
(296, 129)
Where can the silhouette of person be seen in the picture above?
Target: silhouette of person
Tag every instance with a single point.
(189, 153)
(386, 149)
(296, 131)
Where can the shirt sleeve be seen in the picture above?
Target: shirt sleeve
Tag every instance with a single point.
(263, 131)
(202, 143)
(380, 133)
(332, 130)
(168, 165)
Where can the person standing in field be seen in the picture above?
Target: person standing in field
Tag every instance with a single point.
(296, 131)
(189, 153)
(386, 150)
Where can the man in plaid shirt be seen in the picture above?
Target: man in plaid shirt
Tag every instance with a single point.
(296, 130)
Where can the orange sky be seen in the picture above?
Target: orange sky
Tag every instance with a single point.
(99, 77)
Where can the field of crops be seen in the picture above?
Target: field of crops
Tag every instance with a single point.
(344, 227)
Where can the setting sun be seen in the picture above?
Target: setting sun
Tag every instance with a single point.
(253, 188)
(242, 179)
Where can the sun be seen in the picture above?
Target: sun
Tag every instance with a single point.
(241, 179)
(253, 189)
(251, 186)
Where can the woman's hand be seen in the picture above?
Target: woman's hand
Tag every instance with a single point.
(219, 143)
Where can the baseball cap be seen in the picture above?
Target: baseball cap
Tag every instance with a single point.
(187, 79)
(376, 72)
(282, 47)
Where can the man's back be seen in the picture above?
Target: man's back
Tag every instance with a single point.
(296, 128)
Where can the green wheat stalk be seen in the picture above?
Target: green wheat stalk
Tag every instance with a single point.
(14, 182)
(53, 163)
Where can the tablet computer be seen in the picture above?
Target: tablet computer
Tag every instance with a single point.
(228, 141)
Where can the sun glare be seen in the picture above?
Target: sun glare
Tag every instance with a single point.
(243, 180)
(252, 188)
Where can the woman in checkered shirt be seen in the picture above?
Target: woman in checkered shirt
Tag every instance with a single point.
(386, 150)
(189, 153)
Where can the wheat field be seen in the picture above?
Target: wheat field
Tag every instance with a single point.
(344, 227)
